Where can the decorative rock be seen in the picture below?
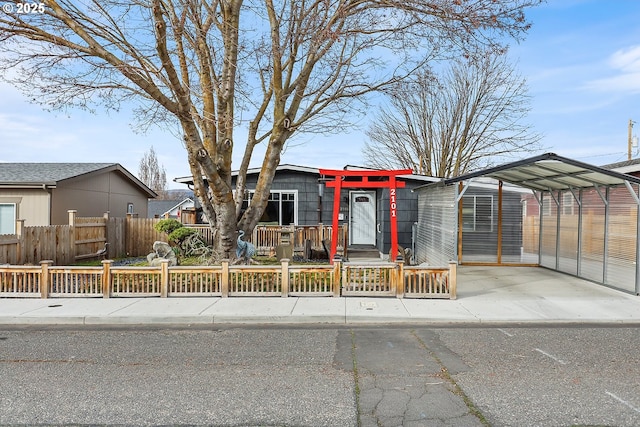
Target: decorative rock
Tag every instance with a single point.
(162, 251)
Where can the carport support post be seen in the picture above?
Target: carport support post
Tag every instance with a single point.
(638, 250)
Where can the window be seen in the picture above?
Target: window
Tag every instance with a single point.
(281, 209)
(129, 208)
(567, 203)
(547, 201)
(477, 213)
(7, 218)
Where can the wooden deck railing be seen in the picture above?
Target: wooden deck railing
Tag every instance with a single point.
(267, 237)
(389, 279)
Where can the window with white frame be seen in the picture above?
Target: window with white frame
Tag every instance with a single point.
(281, 209)
(567, 203)
(547, 201)
(7, 218)
(477, 213)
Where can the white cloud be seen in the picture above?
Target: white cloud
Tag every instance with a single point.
(625, 65)
(627, 60)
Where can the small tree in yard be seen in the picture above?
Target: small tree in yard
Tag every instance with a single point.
(207, 67)
(187, 240)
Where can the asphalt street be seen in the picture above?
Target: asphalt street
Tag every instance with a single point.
(320, 376)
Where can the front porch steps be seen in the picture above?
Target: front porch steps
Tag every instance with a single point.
(363, 251)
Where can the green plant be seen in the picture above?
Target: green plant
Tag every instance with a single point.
(178, 235)
(168, 225)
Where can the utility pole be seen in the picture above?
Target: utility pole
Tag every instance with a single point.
(630, 139)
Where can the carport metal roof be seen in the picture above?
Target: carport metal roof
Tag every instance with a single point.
(550, 172)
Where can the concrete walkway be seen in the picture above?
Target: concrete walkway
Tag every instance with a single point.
(486, 295)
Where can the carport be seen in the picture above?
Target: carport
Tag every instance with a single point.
(547, 211)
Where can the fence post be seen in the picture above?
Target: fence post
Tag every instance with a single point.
(224, 283)
(19, 237)
(399, 285)
(453, 280)
(164, 278)
(284, 264)
(106, 278)
(337, 275)
(44, 278)
(72, 217)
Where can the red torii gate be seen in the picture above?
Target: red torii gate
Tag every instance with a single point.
(341, 182)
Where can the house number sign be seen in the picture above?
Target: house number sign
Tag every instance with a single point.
(392, 201)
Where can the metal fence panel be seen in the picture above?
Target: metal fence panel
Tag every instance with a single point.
(437, 225)
(622, 224)
(549, 231)
(593, 234)
(568, 241)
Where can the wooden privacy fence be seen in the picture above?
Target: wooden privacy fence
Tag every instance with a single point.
(81, 239)
(388, 279)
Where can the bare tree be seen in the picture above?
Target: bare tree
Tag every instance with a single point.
(453, 123)
(152, 174)
(205, 66)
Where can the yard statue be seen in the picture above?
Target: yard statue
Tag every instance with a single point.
(244, 250)
(162, 251)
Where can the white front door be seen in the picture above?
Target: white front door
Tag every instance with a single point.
(362, 218)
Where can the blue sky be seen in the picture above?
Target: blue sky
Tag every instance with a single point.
(581, 60)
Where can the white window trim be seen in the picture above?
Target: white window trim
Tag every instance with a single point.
(295, 203)
(15, 213)
(567, 208)
(475, 213)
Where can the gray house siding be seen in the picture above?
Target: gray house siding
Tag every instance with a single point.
(306, 187)
(407, 215)
(484, 242)
(305, 184)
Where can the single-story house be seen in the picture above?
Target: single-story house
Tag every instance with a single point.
(299, 196)
(547, 210)
(169, 208)
(41, 194)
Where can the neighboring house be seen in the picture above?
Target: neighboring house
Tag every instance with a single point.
(169, 208)
(41, 194)
(630, 167)
(299, 197)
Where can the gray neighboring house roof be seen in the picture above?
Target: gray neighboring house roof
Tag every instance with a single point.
(24, 175)
(627, 166)
(160, 207)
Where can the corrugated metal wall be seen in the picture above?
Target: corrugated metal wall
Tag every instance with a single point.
(592, 234)
(437, 226)
(621, 243)
(587, 233)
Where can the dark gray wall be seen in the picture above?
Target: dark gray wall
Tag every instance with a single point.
(407, 214)
(478, 243)
(307, 186)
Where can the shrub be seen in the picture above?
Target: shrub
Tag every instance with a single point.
(168, 225)
(179, 234)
